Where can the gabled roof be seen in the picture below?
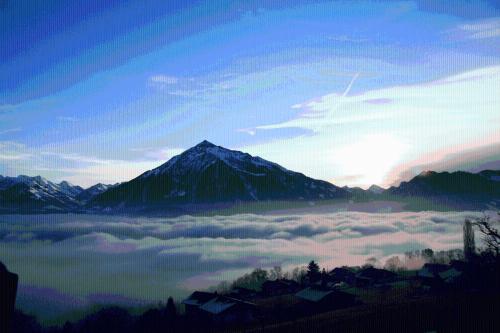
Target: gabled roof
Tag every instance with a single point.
(342, 270)
(313, 294)
(220, 304)
(375, 273)
(341, 274)
(436, 268)
(432, 270)
(217, 305)
(199, 298)
(450, 274)
(242, 290)
(459, 265)
(281, 282)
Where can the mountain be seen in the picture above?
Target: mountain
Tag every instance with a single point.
(86, 195)
(458, 189)
(24, 194)
(207, 173)
(375, 189)
(493, 175)
(36, 194)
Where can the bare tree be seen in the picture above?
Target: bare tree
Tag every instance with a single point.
(298, 274)
(393, 264)
(276, 273)
(491, 235)
(371, 262)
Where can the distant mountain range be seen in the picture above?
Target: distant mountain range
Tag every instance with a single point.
(207, 175)
(37, 194)
(456, 189)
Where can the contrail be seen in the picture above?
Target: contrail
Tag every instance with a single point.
(350, 84)
(346, 91)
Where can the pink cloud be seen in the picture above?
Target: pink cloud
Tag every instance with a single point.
(460, 157)
(378, 101)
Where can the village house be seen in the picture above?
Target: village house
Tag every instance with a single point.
(431, 271)
(342, 274)
(242, 293)
(195, 300)
(227, 310)
(280, 287)
(451, 276)
(429, 275)
(371, 276)
(437, 276)
(459, 265)
(316, 298)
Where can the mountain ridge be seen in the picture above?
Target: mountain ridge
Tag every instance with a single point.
(207, 174)
(37, 194)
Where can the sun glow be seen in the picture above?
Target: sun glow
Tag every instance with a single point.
(370, 158)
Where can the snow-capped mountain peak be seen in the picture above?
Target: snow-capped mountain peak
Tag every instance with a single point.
(210, 173)
(204, 154)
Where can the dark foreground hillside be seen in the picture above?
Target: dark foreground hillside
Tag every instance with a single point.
(453, 312)
(445, 313)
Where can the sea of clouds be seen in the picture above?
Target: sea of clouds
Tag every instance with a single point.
(67, 262)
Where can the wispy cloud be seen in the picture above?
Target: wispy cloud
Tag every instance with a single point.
(474, 156)
(345, 38)
(89, 170)
(249, 131)
(157, 154)
(385, 128)
(79, 158)
(489, 28)
(10, 130)
(164, 79)
(68, 119)
(4, 108)
(13, 151)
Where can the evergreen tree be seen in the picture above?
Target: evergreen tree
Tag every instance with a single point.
(313, 271)
(170, 310)
(313, 268)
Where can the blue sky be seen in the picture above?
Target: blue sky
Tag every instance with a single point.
(351, 92)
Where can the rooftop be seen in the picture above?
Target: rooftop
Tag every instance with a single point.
(199, 298)
(313, 294)
(220, 304)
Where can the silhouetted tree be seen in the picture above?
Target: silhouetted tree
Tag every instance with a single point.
(108, 320)
(491, 235)
(150, 321)
(313, 268)
(67, 327)
(393, 264)
(23, 323)
(171, 314)
(275, 273)
(253, 280)
(299, 274)
(371, 262)
(428, 255)
(469, 243)
(170, 309)
(313, 271)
